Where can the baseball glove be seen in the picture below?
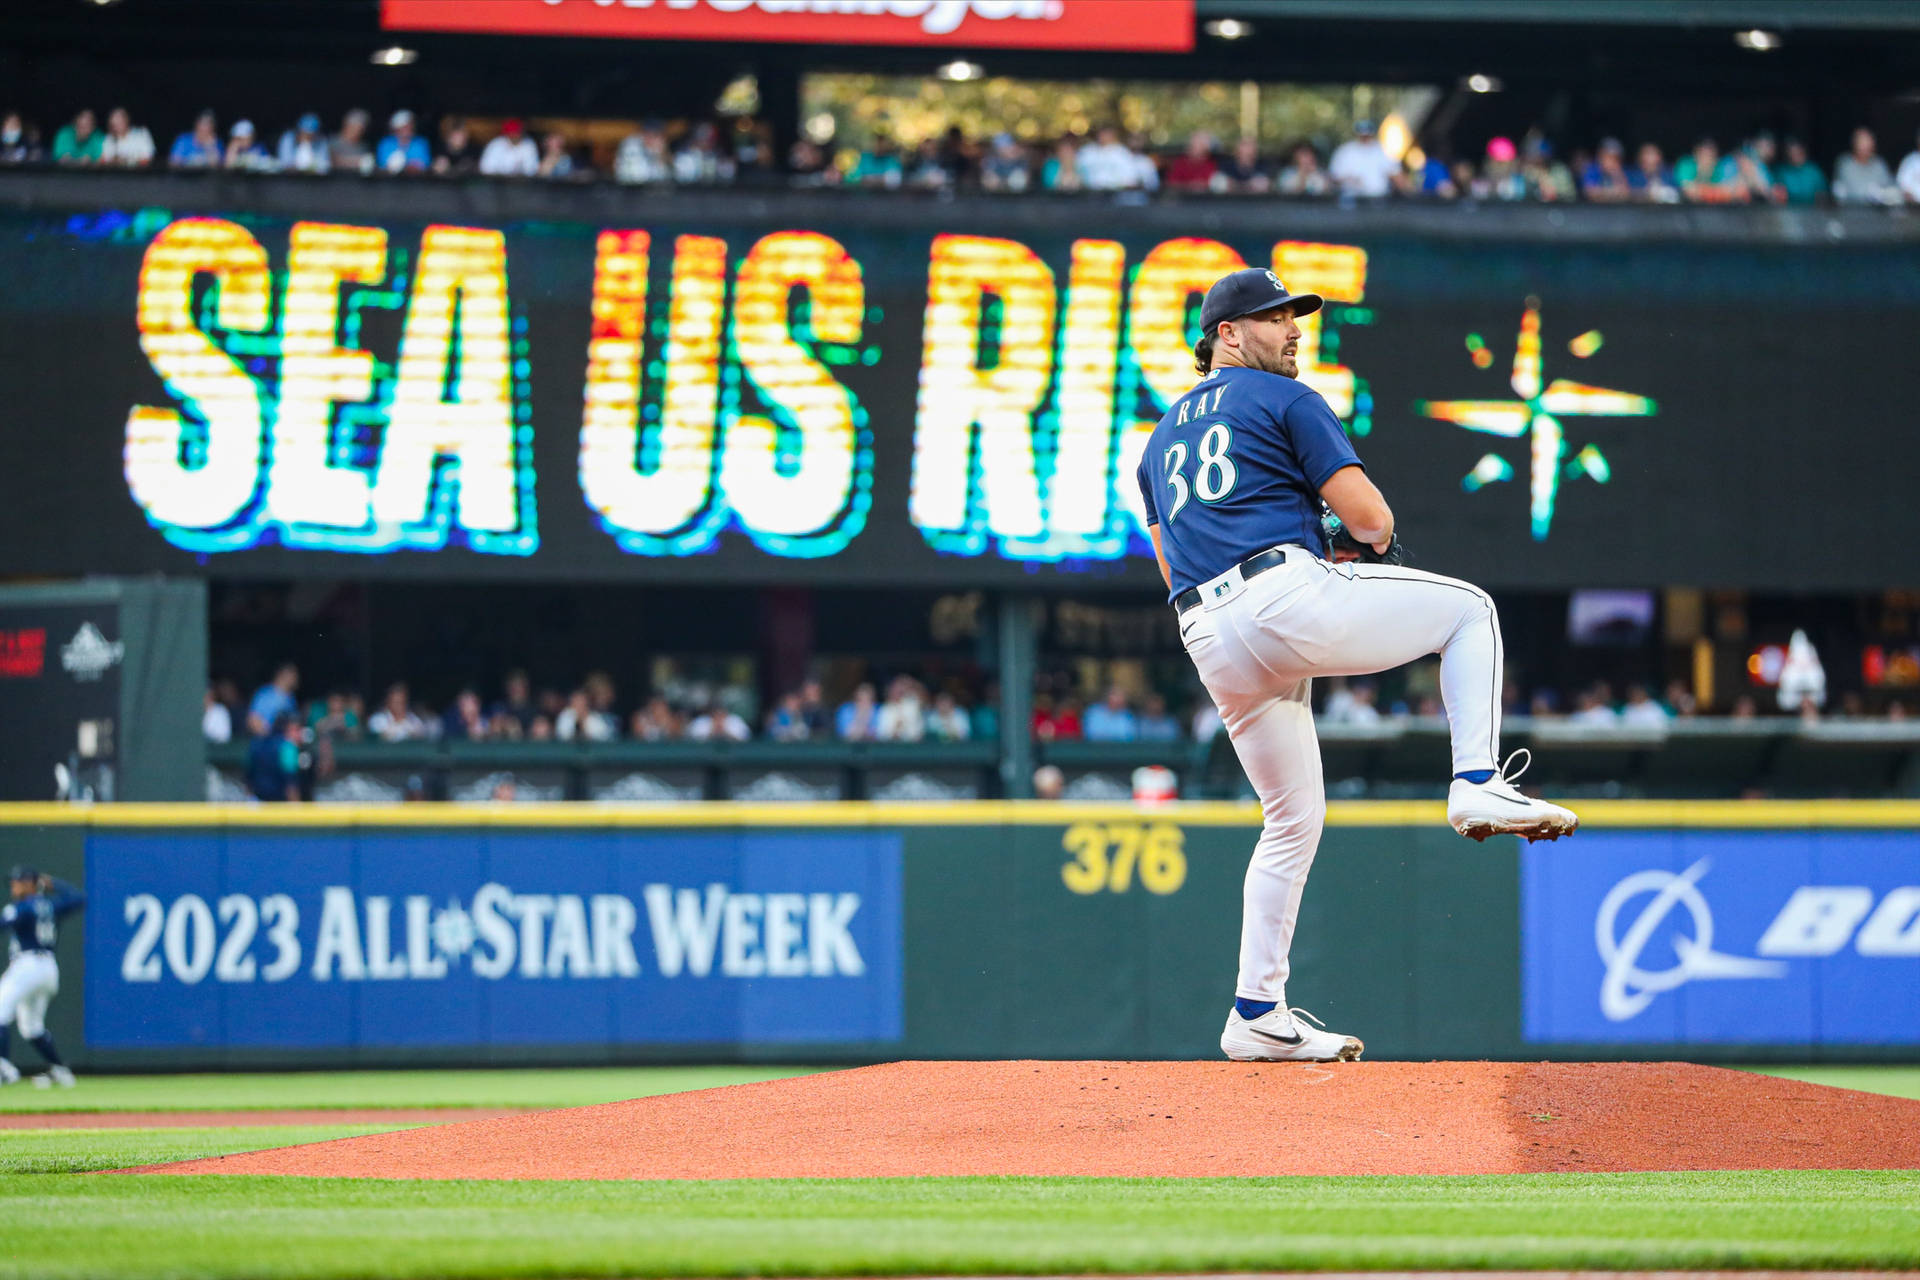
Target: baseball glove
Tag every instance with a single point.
(1343, 546)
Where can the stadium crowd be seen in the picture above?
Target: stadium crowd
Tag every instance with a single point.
(740, 150)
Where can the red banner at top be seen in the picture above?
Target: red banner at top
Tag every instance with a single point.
(1003, 24)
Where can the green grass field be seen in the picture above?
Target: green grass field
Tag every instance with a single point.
(59, 1220)
(346, 1090)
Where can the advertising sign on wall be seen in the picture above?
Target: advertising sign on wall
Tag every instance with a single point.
(1722, 938)
(994, 24)
(475, 938)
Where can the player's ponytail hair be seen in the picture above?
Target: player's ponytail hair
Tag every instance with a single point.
(1203, 354)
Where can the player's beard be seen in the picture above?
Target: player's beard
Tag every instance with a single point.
(1285, 363)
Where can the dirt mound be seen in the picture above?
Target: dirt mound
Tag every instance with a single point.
(1157, 1119)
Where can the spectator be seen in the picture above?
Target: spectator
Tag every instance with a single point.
(1861, 176)
(1061, 172)
(924, 171)
(1106, 164)
(1750, 170)
(556, 161)
(657, 722)
(1799, 177)
(1501, 175)
(272, 699)
(1434, 177)
(948, 721)
(701, 161)
(216, 719)
(19, 143)
(578, 722)
(1156, 723)
(1467, 183)
(1680, 700)
(1606, 180)
(1362, 167)
(642, 158)
(516, 701)
(1242, 170)
(337, 717)
(1194, 169)
(459, 154)
(303, 148)
(903, 715)
(717, 724)
(273, 761)
(1049, 783)
(1353, 704)
(242, 151)
(752, 146)
(858, 719)
(349, 152)
(787, 722)
(512, 154)
(79, 141)
(878, 165)
(402, 150)
(806, 162)
(1111, 719)
(463, 721)
(1005, 166)
(985, 714)
(1547, 179)
(1304, 176)
(1148, 169)
(1652, 180)
(126, 145)
(396, 720)
(1704, 176)
(540, 729)
(200, 147)
(1642, 710)
(1206, 720)
(1592, 706)
(1908, 179)
(1055, 723)
(957, 157)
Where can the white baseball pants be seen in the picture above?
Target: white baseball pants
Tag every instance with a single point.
(1259, 642)
(26, 989)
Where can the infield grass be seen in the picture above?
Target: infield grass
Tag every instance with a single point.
(85, 1150)
(54, 1227)
(1899, 1081)
(346, 1090)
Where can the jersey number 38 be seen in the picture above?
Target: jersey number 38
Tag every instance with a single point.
(1213, 475)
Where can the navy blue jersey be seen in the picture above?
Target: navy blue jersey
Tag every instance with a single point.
(1236, 467)
(31, 920)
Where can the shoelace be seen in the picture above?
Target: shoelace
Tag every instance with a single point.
(1302, 1013)
(1508, 772)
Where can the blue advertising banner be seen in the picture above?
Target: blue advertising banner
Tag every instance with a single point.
(1721, 937)
(474, 937)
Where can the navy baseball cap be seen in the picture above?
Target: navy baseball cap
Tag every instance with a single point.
(23, 873)
(1249, 290)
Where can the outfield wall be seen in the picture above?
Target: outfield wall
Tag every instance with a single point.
(842, 932)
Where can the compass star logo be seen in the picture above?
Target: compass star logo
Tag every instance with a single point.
(1536, 412)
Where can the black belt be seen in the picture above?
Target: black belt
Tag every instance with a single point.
(1252, 567)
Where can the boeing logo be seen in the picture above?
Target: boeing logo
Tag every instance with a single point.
(1815, 921)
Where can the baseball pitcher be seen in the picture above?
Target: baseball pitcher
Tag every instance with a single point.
(1233, 479)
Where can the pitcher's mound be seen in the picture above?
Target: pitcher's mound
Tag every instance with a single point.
(1157, 1119)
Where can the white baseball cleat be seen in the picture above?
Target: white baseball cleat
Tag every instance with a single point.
(62, 1076)
(1275, 1036)
(1494, 807)
(9, 1074)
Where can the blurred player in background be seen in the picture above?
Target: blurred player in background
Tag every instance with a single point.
(33, 976)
